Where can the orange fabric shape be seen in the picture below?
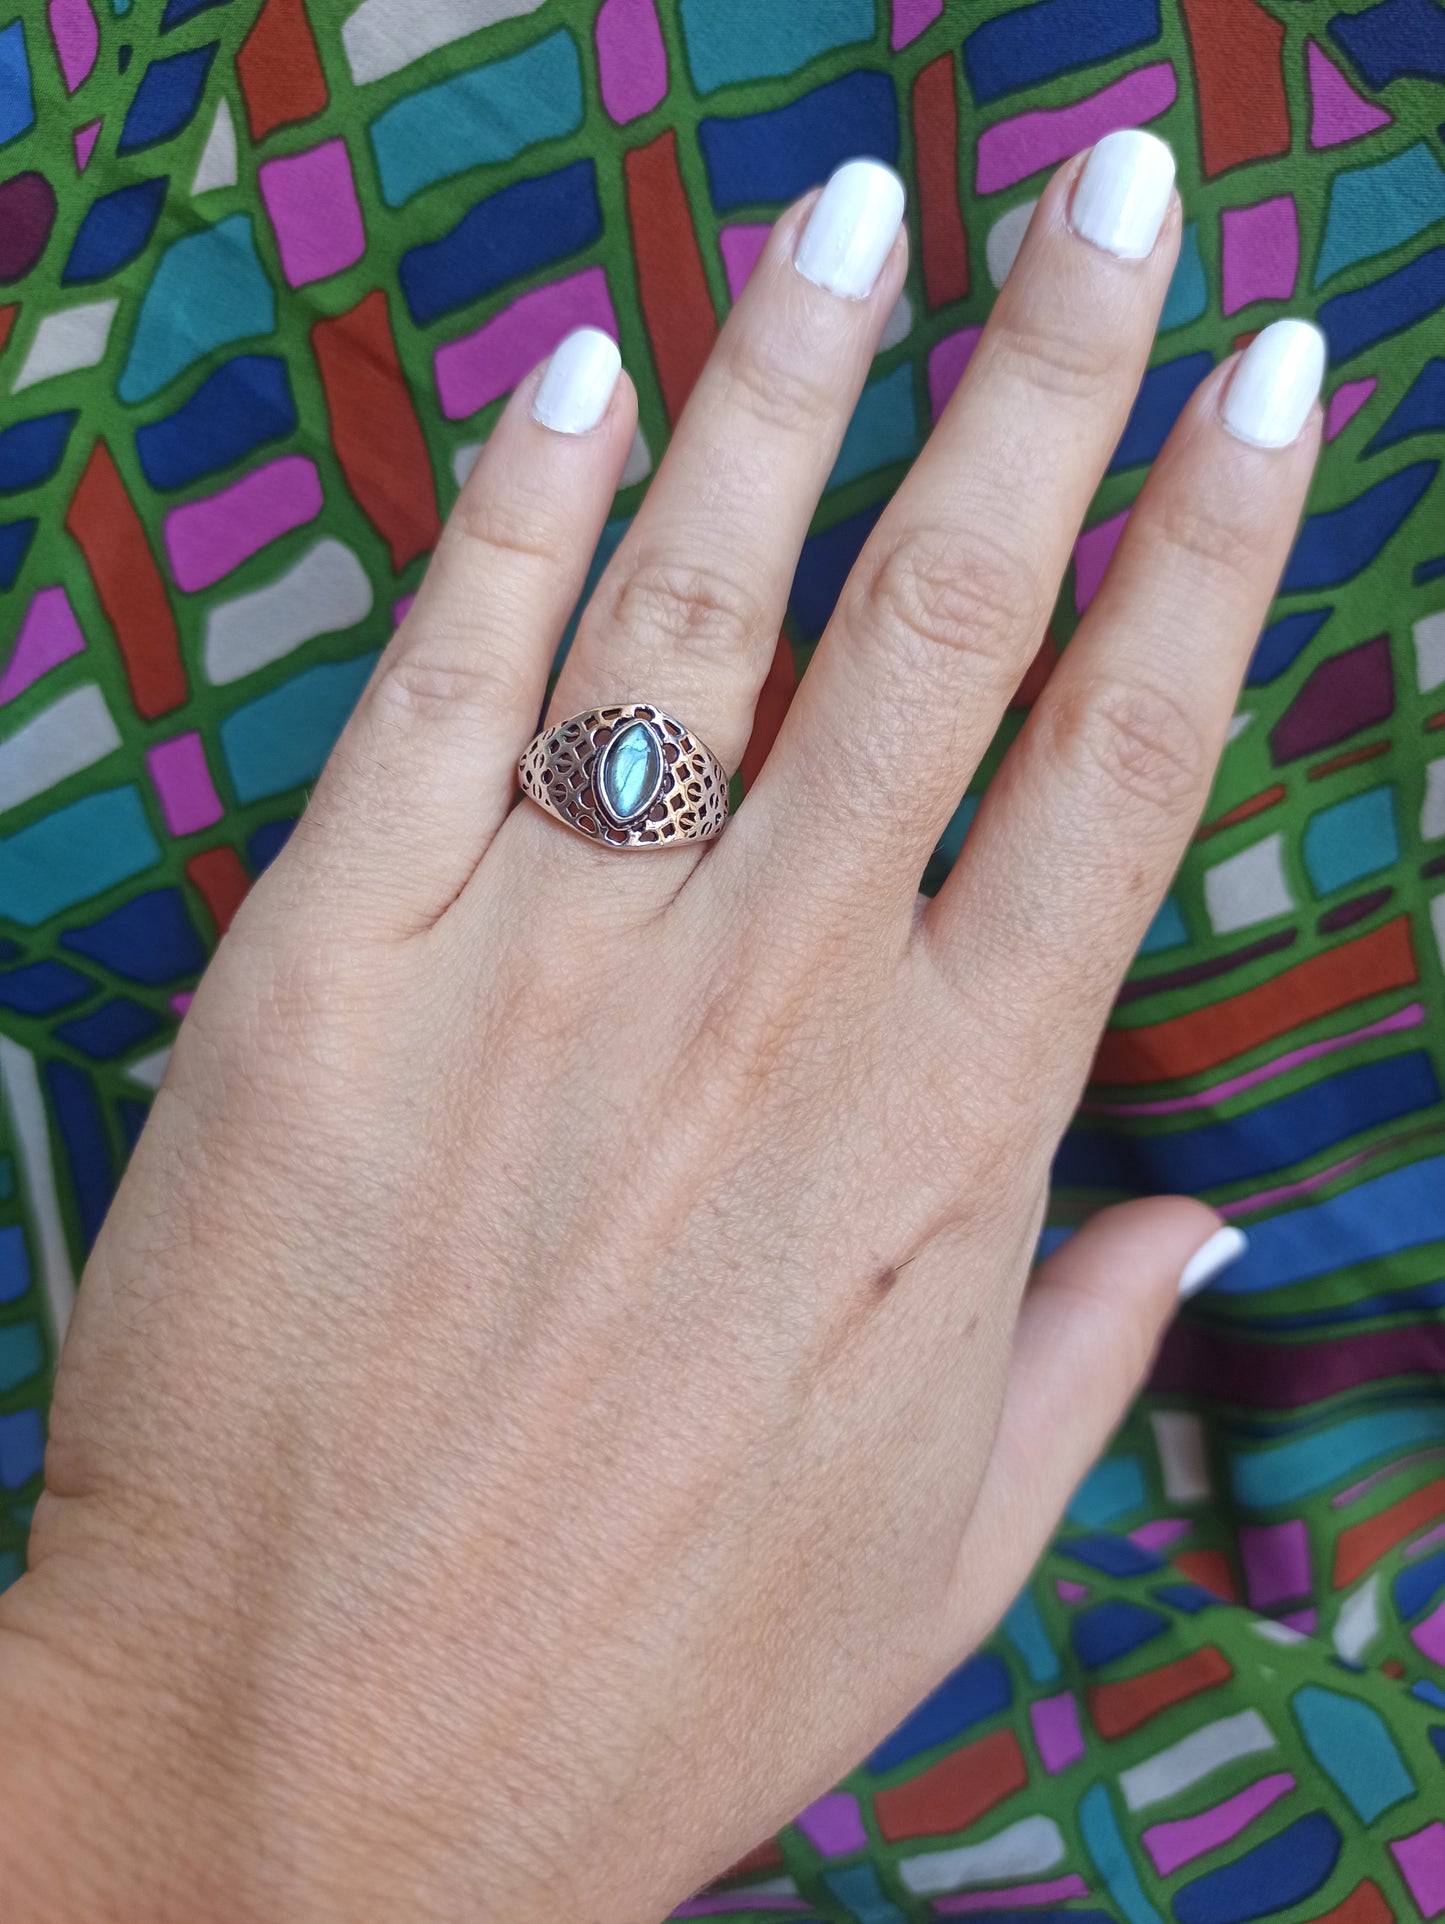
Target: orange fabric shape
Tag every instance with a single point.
(1210, 1570)
(1243, 112)
(1363, 1544)
(955, 1791)
(104, 522)
(218, 874)
(671, 281)
(1118, 1708)
(279, 68)
(935, 135)
(378, 438)
(1366, 1904)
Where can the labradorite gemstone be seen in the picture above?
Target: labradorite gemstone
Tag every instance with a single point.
(631, 766)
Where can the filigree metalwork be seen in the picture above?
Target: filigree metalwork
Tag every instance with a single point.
(559, 772)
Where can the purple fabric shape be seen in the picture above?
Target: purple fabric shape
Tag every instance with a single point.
(631, 58)
(1261, 252)
(49, 634)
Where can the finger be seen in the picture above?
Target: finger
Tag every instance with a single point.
(1087, 1331)
(687, 614)
(425, 769)
(1085, 823)
(948, 602)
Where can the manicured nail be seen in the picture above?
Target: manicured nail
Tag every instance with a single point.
(1123, 194)
(851, 229)
(579, 382)
(1224, 1247)
(1274, 386)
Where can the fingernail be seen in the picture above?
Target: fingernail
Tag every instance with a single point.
(1123, 193)
(1224, 1247)
(851, 229)
(1274, 386)
(579, 382)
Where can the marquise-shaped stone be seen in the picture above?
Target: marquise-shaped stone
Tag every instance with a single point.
(630, 772)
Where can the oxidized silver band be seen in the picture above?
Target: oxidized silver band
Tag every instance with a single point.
(628, 776)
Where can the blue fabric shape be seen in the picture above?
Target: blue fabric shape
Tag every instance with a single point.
(1159, 403)
(858, 1890)
(731, 40)
(824, 566)
(115, 229)
(177, 11)
(281, 739)
(1372, 209)
(1352, 839)
(1100, 1830)
(17, 109)
(1188, 294)
(950, 843)
(1420, 412)
(1167, 930)
(1336, 546)
(774, 156)
(14, 1264)
(1115, 1556)
(1276, 1134)
(1351, 1744)
(209, 288)
(1029, 44)
(1394, 39)
(1429, 570)
(40, 988)
(149, 939)
(1111, 1630)
(22, 1354)
(22, 1448)
(1282, 643)
(884, 428)
(1437, 1738)
(1113, 1488)
(977, 1689)
(1191, 1598)
(112, 1029)
(1024, 1627)
(1418, 1585)
(1357, 320)
(523, 227)
(268, 840)
(486, 115)
(68, 856)
(1428, 1692)
(168, 95)
(1270, 1878)
(76, 1109)
(31, 451)
(1288, 1471)
(133, 1118)
(15, 539)
(1397, 1211)
(244, 404)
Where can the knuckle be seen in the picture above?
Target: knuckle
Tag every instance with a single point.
(781, 391)
(685, 607)
(965, 594)
(1065, 364)
(505, 527)
(427, 683)
(1138, 743)
(1213, 536)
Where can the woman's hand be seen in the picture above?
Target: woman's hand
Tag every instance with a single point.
(562, 1375)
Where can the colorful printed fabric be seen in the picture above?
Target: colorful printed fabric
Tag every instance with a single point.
(267, 268)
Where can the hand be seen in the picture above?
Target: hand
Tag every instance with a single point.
(562, 1376)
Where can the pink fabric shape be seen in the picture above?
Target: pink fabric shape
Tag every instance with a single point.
(1276, 1561)
(180, 1003)
(729, 1903)
(834, 1824)
(946, 363)
(1069, 1591)
(49, 634)
(311, 198)
(1345, 404)
(85, 138)
(1305, 1621)
(911, 18)
(631, 58)
(1016, 148)
(1338, 112)
(478, 367)
(1093, 552)
(1056, 1731)
(1429, 1636)
(1176, 1843)
(1261, 252)
(1015, 1897)
(740, 247)
(1158, 1535)
(183, 782)
(1421, 1858)
(206, 539)
(399, 610)
(77, 39)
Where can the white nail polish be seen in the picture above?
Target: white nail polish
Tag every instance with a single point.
(1123, 193)
(1274, 386)
(851, 229)
(1224, 1247)
(579, 382)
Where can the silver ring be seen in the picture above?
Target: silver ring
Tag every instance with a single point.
(628, 777)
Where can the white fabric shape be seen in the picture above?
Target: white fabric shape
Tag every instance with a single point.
(1429, 635)
(72, 338)
(383, 36)
(1034, 1844)
(1183, 1461)
(326, 590)
(71, 734)
(217, 165)
(1171, 1770)
(1005, 238)
(1432, 811)
(1249, 887)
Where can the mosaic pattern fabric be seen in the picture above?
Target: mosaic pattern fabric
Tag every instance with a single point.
(267, 269)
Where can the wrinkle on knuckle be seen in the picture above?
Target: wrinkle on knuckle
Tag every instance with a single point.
(1066, 364)
(428, 684)
(681, 606)
(1137, 744)
(507, 526)
(1218, 540)
(781, 388)
(956, 594)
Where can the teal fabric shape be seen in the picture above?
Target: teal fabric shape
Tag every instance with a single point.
(208, 289)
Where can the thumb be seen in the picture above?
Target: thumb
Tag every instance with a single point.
(1090, 1323)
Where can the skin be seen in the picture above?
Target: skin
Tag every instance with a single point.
(568, 1312)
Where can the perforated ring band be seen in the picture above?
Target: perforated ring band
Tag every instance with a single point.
(629, 777)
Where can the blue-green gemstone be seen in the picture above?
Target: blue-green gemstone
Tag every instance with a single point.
(630, 773)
